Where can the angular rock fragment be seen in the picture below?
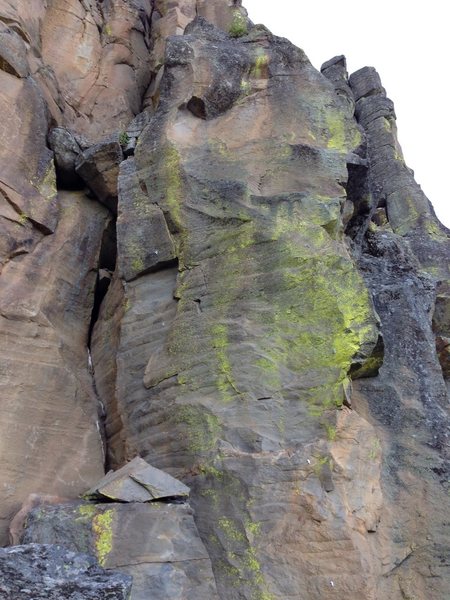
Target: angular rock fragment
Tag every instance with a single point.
(137, 482)
(51, 572)
(67, 151)
(144, 240)
(98, 166)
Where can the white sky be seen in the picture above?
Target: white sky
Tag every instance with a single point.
(407, 42)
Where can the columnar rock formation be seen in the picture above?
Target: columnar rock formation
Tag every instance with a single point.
(214, 257)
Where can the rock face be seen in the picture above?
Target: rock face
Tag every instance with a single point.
(156, 544)
(50, 572)
(252, 294)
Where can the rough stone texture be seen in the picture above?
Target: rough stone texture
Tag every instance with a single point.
(268, 232)
(91, 82)
(94, 78)
(242, 362)
(144, 240)
(28, 207)
(137, 481)
(51, 572)
(98, 166)
(66, 152)
(403, 251)
(49, 439)
(157, 544)
(408, 404)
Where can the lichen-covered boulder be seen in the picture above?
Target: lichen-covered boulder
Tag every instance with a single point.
(157, 544)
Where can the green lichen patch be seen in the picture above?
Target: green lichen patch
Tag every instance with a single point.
(85, 512)
(172, 178)
(342, 135)
(242, 566)
(102, 529)
(259, 69)
(201, 428)
(238, 26)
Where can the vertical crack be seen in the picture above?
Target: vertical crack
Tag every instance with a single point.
(106, 267)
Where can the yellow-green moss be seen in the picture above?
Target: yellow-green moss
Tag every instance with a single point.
(245, 87)
(258, 71)
(230, 530)
(321, 462)
(375, 449)
(336, 128)
(209, 470)
(342, 135)
(202, 428)
(224, 381)
(253, 528)
(23, 219)
(331, 431)
(243, 566)
(238, 26)
(85, 512)
(172, 179)
(434, 230)
(103, 535)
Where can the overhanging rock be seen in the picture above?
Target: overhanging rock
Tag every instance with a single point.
(137, 481)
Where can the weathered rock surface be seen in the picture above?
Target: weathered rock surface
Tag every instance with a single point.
(403, 258)
(98, 166)
(271, 246)
(157, 544)
(245, 349)
(51, 572)
(67, 149)
(49, 435)
(137, 482)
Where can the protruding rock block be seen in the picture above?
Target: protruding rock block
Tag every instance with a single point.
(144, 239)
(157, 544)
(137, 482)
(366, 82)
(98, 166)
(67, 149)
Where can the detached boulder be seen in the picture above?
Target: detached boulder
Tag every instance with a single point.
(137, 482)
(67, 149)
(156, 543)
(98, 166)
(51, 572)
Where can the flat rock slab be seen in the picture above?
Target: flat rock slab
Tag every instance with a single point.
(157, 544)
(138, 481)
(51, 572)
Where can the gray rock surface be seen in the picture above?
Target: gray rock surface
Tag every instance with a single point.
(267, 319)
(229, 366)
(67, 151)
(157, 544)
(98, 166)
(137, 481)
(51, 572)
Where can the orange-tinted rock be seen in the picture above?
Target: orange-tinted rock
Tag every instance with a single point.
(49, 437)
(259, 223)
